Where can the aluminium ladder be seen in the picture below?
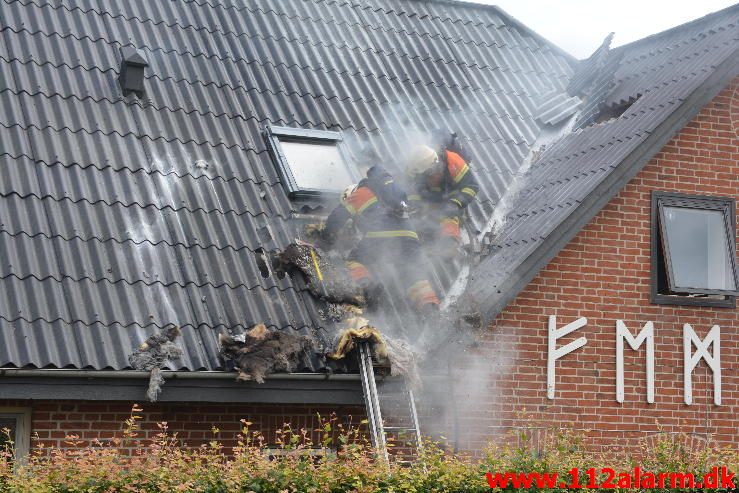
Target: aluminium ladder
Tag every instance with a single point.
(402, 401)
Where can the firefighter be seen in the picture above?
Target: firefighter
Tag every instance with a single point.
(442, 186)
(388, 244)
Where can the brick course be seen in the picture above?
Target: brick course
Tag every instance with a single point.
(54, 421)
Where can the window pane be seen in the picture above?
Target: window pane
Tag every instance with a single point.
(6, 422)
(699, 253)
(316, 165)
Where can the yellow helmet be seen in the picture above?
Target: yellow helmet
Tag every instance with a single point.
(347, 192)
(422, 159)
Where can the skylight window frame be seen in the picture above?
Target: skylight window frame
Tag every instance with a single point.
(659, 246)
(274, 135)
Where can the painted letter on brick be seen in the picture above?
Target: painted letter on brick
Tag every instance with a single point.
(646, 334)
(691, 360)
(555, 353)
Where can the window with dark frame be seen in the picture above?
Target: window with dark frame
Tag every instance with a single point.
(310, 162)
(694, 250)
(15, 426)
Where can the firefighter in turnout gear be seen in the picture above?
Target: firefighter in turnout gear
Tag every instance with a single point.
(442, 186)
(388, 245)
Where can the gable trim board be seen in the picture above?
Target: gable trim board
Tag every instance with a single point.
(607, 189)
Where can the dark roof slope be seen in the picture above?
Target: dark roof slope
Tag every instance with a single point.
(670, 76)
(119, 216)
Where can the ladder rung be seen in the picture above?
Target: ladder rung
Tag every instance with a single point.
(372, 403)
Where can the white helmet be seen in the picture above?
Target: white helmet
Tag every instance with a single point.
(422, 159)
(347, 192)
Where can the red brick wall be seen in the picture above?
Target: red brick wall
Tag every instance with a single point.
(54, 421)
(604, 274)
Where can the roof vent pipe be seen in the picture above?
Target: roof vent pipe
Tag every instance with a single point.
(132, 71)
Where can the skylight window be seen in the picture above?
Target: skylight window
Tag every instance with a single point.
(310, 161)
(694, 246)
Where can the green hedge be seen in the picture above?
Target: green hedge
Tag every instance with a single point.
(129, 464)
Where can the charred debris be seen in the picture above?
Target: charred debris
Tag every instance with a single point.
(153, 355)
(261, 351)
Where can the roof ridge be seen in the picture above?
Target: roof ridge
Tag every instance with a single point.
(704, 19)
(526, 31)
(664, 49)
(277, 65)
(677, 109)
(299, 40)
(655, 68)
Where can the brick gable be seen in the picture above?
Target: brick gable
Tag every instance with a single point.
(604, 274)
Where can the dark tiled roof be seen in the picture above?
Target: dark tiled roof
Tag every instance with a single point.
(108, 229)
(670, 76)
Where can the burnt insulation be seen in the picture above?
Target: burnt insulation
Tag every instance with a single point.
(153, 354)
(261, 351)
(326, 276)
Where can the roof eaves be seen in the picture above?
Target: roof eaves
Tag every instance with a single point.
(563, 233)
(189, 386)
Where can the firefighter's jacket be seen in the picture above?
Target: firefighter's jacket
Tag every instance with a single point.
(376, 207)
(452, 182)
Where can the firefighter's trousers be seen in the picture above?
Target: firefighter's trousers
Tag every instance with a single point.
(394, 260)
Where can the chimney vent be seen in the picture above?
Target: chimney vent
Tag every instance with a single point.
(132, 71)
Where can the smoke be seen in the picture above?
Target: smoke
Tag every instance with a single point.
(547, 137)
(460, 382)
(470, 387)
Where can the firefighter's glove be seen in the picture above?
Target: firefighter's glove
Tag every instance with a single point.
(326, 240)
(402, 210)
(314, 230)
(452, 209)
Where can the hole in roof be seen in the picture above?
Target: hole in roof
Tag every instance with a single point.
(311, 209)
(614, 111)
(277, 267)
(261, 262)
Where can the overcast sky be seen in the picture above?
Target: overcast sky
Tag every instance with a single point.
(579, 26)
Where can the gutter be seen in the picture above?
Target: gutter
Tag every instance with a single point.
(168, 374)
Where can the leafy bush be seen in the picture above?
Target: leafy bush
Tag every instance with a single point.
(128, 464)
